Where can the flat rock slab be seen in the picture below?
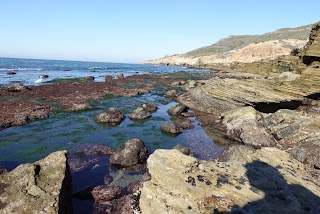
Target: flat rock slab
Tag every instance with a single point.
(40, 187)
(267, 180)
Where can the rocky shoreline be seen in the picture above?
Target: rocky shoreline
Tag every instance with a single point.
(269, 123)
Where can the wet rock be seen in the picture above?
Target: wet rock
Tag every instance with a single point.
(111, 115)
(177, 109)
(2, 170)
(288, 76)
(172, 94)
(104, 193)
(184, 150)
(139, 113)
(78, 164)
(150, 107)
(184, 123)
(91, 78)
(171, 127)
(44, 76)
(265, 179)
(133, 152)
(11, 73)
(16, 88)
(242, 125)
(120, 76)
(40, 187)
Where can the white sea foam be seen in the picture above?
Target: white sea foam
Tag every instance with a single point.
(21, 69)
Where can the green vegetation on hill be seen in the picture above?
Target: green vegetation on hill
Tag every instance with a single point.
(237, 42)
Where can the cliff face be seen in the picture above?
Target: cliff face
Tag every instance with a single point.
(243, 49)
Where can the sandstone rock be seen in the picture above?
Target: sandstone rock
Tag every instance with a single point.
(242, 125)
(134, 152)
(171, 127)
(41, 187)
(184, 150)
(172, 94)
(111, 115)
(150, 107)
(176, 83)
(177, 109)
(311, 51)
(266, 182)
(288, 76)
(139, 113)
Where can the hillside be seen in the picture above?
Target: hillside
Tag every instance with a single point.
(243, 48)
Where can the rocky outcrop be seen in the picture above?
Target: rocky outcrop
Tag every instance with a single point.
(41, 187)
(132, 153)
(111, 115)
(216, 96)
(289, 130)
(262, 181)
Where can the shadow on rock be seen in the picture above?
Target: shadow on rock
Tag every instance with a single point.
(280, 197)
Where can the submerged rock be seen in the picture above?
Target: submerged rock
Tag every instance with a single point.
(111, 115)
(139, 113)
(177, 109)
(104, 193)
(133, 152)
(264, 181)
(94, 149)
(171, 127)
(41, 187)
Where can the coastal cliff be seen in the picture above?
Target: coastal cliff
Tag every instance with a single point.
(243, 49)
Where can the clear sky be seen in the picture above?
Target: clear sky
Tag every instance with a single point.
(137, 30)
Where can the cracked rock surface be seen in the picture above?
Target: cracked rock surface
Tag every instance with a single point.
(40, 187)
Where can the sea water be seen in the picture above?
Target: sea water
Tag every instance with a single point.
(28, 70)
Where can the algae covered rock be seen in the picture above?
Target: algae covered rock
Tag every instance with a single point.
(40, 187)
(133, 152)
(111, 115)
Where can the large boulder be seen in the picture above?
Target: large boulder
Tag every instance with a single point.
(139, 113)
(111, 115)
(177, 109)
(267, 180)
(242, 125)
(40, 187)
(132, 153)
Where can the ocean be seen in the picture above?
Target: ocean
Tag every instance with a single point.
(27, 71)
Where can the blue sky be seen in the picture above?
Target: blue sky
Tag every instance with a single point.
(137, 30)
